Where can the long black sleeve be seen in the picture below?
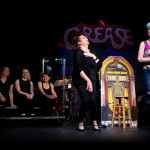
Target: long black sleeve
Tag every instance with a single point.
(77, 61)
(99, 64)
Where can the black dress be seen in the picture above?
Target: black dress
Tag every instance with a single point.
(4, 89)
(46, 103)
(25, 105)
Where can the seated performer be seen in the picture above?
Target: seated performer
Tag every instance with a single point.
(25, 89)
(47, 94)
(6, 86)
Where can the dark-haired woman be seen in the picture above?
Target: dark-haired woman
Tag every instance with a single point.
(25, 89)
(6, 87)
(47, 94)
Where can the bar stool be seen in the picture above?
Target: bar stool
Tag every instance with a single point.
(119, 107)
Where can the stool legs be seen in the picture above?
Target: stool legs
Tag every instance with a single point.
(124, 126)
(122, 98)
(112, 125)
(119, 114)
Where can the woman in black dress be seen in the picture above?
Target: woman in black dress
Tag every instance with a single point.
(6, 87)
(85, 75)
(25, 89)
(47, 94)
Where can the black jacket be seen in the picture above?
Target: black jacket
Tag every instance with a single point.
(83, 63)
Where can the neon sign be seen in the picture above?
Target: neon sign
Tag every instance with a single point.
(118, 37)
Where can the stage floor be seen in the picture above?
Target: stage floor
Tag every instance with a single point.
(68, 133)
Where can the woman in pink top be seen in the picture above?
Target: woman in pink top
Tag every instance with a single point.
(144, 57)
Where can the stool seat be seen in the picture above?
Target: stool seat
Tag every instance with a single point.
(119, 107)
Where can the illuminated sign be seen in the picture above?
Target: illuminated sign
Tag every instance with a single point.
(118, 37)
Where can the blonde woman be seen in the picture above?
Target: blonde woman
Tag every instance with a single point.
(25, 89)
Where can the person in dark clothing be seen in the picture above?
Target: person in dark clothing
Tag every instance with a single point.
(6, 86)
(25, 89)
(85, 75)
(47, 94)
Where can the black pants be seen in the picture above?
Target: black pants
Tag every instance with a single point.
(5, 104)
(147, 110)
(25, 105)
(47, 104)
(87, 98)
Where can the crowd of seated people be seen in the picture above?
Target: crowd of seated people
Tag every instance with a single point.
(20, 93)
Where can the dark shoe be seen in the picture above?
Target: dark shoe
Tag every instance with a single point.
(81, 130)
(95, 129)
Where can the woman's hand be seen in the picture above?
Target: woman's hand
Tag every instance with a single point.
(54, 96)
(89, 83)
(31, 96)
(89, 86)
(50, 96)
(3, 99)
(90, 55)
(27, 95)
